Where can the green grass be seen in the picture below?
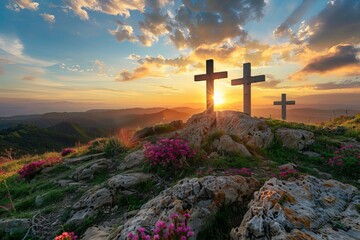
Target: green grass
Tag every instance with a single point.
(207, 145)
(233, 161)
(113, 147)
(132, 202)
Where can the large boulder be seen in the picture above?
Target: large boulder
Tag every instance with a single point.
(308, 208)
(11, 226)
(202, 196)
(128, 180)
(294, 138)
(132, 160)
(89, 170)
(227, 144)
(253, 132)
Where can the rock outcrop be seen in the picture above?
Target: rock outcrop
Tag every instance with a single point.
(202, 196)
(308, 208)
(88, 171)
(294, 138)
(227, 144)
(252, 132)
(132, 160)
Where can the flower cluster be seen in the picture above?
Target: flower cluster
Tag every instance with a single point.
(67, 151)
(168, 153)
(235, 171)
(30, 169)
(285, 172)
(345, 159)
(66, 236)
(172, 231)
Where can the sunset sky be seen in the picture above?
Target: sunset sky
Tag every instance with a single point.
(126, 53)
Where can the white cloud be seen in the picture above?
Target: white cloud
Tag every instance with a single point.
(13, 53)
(123, 32)
(48, 17)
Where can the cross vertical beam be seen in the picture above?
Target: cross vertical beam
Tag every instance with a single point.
(246, 81)
(247, 88)
(283, 104)
(209, 77)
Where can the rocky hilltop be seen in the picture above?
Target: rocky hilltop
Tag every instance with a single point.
(237, 177)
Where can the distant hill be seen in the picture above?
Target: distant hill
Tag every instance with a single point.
(27, 139)
(53, 131)
(102, 119)
(305, 115)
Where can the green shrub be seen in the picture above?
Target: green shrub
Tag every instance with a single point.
(114, 147)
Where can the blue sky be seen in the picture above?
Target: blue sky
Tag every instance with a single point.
(145, 52)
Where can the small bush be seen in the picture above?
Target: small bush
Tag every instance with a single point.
(29, 170)
(169, 153)
(172, 231)
(345, 160)
(114, 147)
(66, 236)
(67, 151)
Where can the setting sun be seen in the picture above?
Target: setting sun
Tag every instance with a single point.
(218, 98)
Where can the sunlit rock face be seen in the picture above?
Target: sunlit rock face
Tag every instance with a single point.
(202, 196)
(252, 132)
(308, 208)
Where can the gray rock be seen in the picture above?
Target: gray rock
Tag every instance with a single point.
(96, 233)
(302, 209)
(311, 154)
(80, 216)
(12, 225)
(64, 182)
(251, 131)
(39, 200)
(128, 180)
(323, 175)
(213, 155)
(88, 171)
(202, 196)
(227, 144)
(294, 138)
(95, 199)
(290, 166)
(132, 160)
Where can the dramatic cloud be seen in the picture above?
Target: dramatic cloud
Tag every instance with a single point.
(212, 21)
(284, 29)
(270, 83)
(336, 24)
(18, 5)
(112, 7)
(123, 32)
(156, 67)
(340, 85)
(14, 53)
(29, 78)
(48, 17)
(341, 58)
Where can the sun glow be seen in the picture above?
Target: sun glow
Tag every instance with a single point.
(218, 98)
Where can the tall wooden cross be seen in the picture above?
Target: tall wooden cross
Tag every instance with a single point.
(209, 77)
(283, 104)
(247, 80)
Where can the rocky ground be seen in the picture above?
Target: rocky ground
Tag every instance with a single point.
(103, 196)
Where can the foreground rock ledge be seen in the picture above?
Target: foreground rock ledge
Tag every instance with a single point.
(308, 208)
(202, 196)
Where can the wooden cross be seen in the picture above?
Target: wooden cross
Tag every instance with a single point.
(247, 80)
(283, 104)
(209, 77)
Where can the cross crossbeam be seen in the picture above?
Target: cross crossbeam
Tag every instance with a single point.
(209, 77)
(246, 80)
(283, 104)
